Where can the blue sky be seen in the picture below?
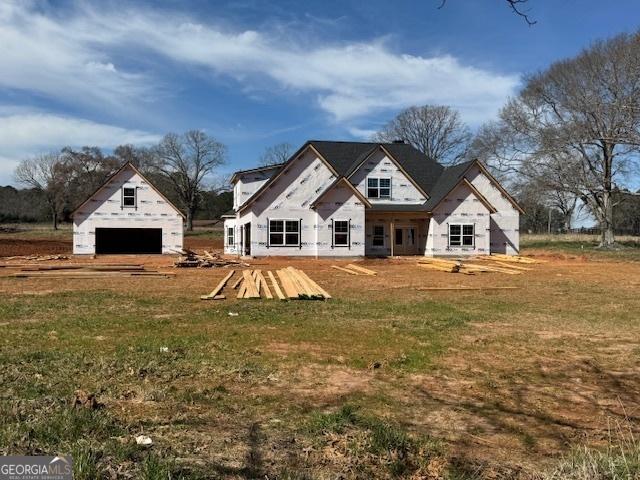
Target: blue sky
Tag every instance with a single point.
(254, 73)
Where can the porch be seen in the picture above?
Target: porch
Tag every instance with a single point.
(395, 233)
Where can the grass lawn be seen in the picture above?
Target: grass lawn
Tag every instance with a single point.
(382, 381)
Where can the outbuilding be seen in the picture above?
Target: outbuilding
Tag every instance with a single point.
(127, 215)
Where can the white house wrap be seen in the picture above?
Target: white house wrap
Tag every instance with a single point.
(127, 215)
(357, 199)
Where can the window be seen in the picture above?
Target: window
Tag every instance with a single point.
(341, 233)
(378, 236)
(230, 236)
(284, 233)
(128, 197)
(461, 235)
(378, 187)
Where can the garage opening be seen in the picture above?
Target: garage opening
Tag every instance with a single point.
(128, 240)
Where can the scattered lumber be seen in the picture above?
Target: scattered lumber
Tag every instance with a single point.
(89, 274)
(510, 258)
(37, 258)
(214, 293)
(466, 288)
(487, 268)
(191, 259)
(347, 270)
(276, 287)
(461, 266)
(361, 269)
(296, 284)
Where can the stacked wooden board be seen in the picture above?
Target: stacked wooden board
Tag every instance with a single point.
(354, 269)
(294, 284)
(84, 270)
(191, 259)
(494, 263)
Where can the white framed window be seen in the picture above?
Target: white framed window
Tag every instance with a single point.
(341, 233)
(378, 187)
(129, 197)
(284, 233)
(461, 235)
(231, 240)
(378, 236)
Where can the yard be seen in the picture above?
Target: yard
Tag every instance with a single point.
(382, 381)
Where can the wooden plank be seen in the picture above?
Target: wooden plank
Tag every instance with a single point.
(438, 261)
(276, 287)
(352, 272)
(263, 283)
(219, 287)
(512, 265)
(237, 283)
(289, 289)
(317, 287)
(243, 289)
(465, 288)
(303, 287)
(494, 269)
(511, 258)
(440, 268)
(251, 285)
(361, 269)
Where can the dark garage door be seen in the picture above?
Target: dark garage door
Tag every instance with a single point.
(128, 240)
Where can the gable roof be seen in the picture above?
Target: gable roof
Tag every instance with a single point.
(275, 166)
(451, 178)
(427, 175)
(112, 176)
(334, 184)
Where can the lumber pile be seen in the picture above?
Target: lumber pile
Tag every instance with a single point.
(85, 270)
(35, 258)
(496, 263)
(190, 259)
(354, 269)
(294, 284)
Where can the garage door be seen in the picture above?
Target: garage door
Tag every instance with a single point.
(128, 240)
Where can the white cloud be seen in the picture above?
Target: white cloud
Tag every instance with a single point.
(23, 134)
(75, 57)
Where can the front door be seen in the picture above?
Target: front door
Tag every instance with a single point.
(247, 239)
(404, 240)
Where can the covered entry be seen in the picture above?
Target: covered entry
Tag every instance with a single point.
(405, 239)
(128, 240)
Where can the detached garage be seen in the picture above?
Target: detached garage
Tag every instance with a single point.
(127, 215)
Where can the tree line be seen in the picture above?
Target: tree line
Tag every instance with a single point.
(179, 166)
(570, 139)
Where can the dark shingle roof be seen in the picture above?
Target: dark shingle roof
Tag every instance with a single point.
(446, 182)
(345, 157)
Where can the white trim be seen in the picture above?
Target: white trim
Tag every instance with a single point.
(135, 197)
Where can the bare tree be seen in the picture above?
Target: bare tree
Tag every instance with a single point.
(48, 174)
(515, 6)
(186, 160)
(435, 130)
(577, 125)
(275, 154)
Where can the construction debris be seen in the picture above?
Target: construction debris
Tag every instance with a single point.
(496, 263)
(355, 269)
(191, 259)
(85, 270)
(295, 284)
(34, 258)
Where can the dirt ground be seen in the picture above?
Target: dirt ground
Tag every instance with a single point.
(534, 372)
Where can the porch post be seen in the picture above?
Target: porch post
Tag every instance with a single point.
(392, 236)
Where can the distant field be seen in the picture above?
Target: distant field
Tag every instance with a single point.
(382, 381)
(629, 246)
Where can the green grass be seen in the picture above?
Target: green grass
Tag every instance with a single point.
(628, 247)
